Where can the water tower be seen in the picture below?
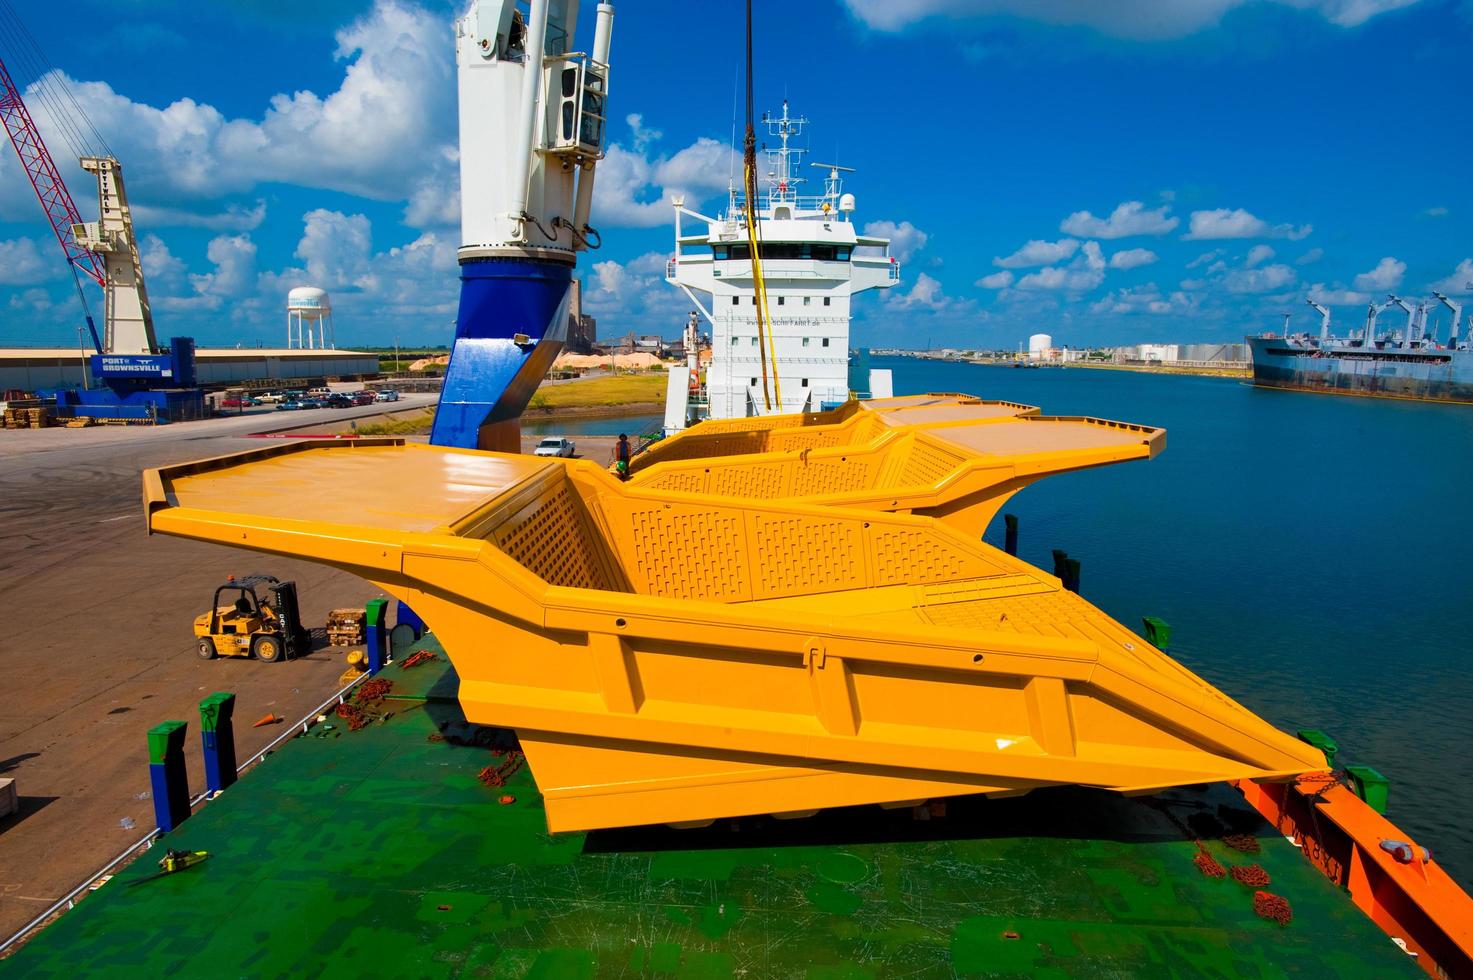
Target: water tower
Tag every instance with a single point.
(309, 319)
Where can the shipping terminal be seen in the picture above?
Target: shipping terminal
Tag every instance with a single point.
(764, 705)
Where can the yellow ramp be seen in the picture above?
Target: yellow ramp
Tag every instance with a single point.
(666, 658)
(946, 456)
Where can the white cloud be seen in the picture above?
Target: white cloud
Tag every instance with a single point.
(633, 295)
(905, 238)
(1086, 272)
(1310, 257)
(1143, 299)
(641, 135)
(336, 248)
(633, 191)
(1263, 280)
(1206, 257)
(1337, 296)
(998, 280)
(235, 217)
(924, 293)
(1120, 18)
(1132, 258)
(391, 116)
(1238, 223)
(1460, 283)
(1129, 218)
(1038, 252)
(1435, 212)
(21, 263)
(1257, 255)
(1386, 275)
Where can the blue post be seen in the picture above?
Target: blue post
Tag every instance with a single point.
(376, 634)
(403, 614)
(217, 733)
(167, 775)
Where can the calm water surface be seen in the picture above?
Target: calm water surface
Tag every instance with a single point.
(1312, 553)
(629, 425)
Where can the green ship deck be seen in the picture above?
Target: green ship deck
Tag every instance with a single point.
(380, 853)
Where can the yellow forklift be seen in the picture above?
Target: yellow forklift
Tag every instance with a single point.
(242, 624)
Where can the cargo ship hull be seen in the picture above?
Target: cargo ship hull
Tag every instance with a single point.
(1425, 375)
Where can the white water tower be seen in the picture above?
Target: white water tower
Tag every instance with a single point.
(309, 319)
(1038, 346)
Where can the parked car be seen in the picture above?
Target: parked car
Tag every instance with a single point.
(555, 446)
(321, 391)
(387, 395)
(289, 405)
(338, 400)
(268, 398)
(311, 403)
(363, 398)
(239, 401)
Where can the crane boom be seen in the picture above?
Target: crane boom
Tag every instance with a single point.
(45, 179)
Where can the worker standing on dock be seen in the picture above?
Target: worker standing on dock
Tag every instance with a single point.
(621, 456)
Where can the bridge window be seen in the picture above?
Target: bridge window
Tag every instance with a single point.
(826, 341)
(735, 300)
(825, 301)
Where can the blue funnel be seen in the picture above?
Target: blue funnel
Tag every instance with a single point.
(512, 322)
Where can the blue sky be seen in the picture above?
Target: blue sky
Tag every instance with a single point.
(1108, 171)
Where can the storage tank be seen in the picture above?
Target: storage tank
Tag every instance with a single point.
(1039, 345)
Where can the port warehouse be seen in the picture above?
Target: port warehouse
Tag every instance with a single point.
(36, 369)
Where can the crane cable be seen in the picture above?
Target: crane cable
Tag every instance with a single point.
(766, 347)
(49, 87)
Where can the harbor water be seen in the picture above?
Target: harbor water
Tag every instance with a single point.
(1312, 554)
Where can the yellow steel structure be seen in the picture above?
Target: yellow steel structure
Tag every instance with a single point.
(945, 456)
(671, 658)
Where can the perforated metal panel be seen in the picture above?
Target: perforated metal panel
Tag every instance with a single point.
(552, 540)
(800, 555)
(751, 482)
(927, 465)
(686, 481)
(812, 479)
(905, 556)
(689, 554)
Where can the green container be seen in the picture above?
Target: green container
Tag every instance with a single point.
(1321, 741)
(1158, 632)
(166, 739)
(1370, 786)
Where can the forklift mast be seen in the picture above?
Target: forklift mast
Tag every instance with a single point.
(295, 640)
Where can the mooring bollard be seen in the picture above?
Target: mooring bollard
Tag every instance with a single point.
(1071, 575)
(167, 775)
(1010, 539)
(217, 734)
(1061, 564)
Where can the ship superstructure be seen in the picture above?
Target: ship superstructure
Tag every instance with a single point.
(811, 261)
(1406, 363)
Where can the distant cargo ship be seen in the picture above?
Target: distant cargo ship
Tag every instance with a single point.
(1405, 364)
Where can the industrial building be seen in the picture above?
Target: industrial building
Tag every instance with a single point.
(36, 368)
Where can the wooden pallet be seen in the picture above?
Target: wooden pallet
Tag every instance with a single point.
(345, 627)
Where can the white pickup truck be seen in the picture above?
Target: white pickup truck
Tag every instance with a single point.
(555, 446)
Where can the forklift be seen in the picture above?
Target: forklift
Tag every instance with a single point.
(241, 624)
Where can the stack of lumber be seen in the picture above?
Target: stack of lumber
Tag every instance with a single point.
(345, 627)
(28, 415)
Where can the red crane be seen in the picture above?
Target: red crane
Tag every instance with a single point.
(50, 189)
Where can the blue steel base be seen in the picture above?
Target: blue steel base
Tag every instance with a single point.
(512, 322)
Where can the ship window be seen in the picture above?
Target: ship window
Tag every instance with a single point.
(754, 300)
(842, 253)
(568, 121)
(570, 82)
(804, 384)
(720, 251)
(807, 300)
(805, 341)
(754, 341)
(741, 251)
(781, 300)
(823, 252)
(825, 301)
(754, 382)
(735, 300)
(826, 341)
